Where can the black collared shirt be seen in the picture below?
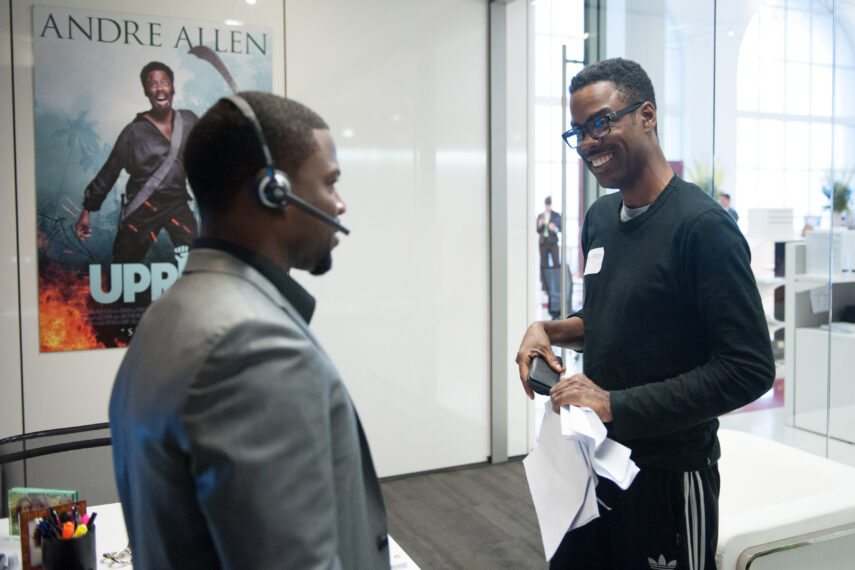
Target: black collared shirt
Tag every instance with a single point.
(139, 151)
(296, 295)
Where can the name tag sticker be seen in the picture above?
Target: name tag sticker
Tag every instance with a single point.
(595, 260)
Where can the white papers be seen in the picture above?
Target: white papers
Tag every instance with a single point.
(839, 327)
(819, 299)
(560, 483)
(561, 471)
(610, 459)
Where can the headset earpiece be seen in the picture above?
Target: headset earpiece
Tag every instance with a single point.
(272, 187)
(272, 192)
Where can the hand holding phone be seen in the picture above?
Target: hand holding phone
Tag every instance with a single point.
(541, 376)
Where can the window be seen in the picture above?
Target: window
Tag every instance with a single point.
(556, 23)
(784, 126)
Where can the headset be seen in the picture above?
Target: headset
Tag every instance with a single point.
(272, 188)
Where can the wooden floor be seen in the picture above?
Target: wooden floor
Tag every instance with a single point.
(472, 518)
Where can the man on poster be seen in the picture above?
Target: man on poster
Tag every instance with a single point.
(150, 150)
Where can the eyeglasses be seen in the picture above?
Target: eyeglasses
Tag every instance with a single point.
(596, 128)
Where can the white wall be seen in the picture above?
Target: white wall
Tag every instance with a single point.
(405, 311)
(643, 31)
(10, 377)
(516, 230)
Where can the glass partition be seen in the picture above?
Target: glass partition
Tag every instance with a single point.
(559, 39)
(754, 102)
(784, 129)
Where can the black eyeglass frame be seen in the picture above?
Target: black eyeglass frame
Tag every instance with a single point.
(579, 132)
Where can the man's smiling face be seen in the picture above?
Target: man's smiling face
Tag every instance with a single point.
(159, 90)
(616, 156)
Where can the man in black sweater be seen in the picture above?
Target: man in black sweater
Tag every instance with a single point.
(672, 327)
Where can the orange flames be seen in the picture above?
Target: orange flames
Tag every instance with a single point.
(64, 313)
(65, 306)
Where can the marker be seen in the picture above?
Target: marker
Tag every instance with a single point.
(91, 520)
(67, 529)
(79, 531)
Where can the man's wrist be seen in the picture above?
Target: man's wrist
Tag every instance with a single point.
(608, 416)
(565, 332)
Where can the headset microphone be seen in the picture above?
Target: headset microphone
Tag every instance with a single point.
(272, 187)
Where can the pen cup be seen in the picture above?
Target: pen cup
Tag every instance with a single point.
(71, 553)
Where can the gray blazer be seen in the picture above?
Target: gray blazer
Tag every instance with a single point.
(235, 442)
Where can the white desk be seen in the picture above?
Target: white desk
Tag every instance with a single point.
(112, 537)
(782, 508)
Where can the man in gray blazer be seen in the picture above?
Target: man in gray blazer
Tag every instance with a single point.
(235, 442)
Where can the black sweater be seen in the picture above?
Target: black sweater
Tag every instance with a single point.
(674, 326)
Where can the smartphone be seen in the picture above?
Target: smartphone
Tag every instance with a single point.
(541, 376)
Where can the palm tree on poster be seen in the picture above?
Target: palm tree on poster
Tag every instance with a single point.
(80, 134)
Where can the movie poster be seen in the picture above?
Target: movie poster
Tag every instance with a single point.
(115, 97)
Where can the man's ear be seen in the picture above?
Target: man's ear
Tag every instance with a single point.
(648, 116)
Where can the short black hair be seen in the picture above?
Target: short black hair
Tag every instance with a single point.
(156, 66)
(548, 200)
(222, 152)
(628, 76)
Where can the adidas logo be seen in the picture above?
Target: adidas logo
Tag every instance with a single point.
(661, 564)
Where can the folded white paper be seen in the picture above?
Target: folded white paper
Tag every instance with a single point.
(562, 471)
(559, 481)
(610, 459)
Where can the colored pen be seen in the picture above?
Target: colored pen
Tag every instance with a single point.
(68, 529)
(53, 526)
(91, 520)
(44, 530)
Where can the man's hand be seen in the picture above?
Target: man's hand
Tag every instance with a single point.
(553, 227)
(82, 226)
(579, 390)
(535, 343)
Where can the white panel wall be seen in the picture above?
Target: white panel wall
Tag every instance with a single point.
(71, 388)
(515, 231)
(645, 39)
(405, 311)
(10, 377)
